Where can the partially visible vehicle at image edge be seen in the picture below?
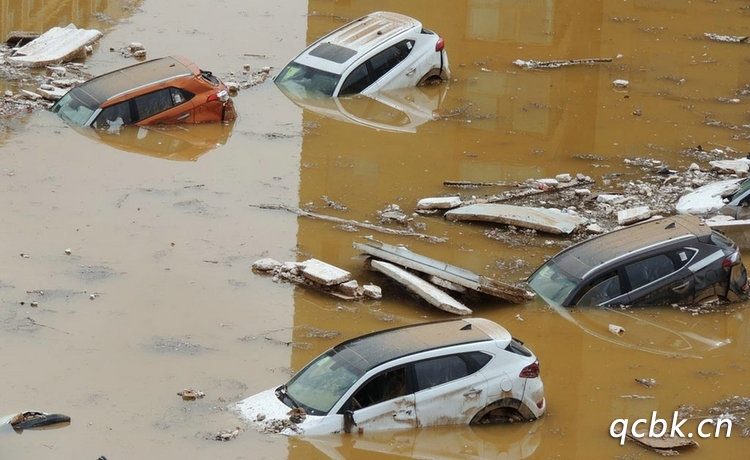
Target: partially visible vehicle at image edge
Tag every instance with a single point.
(466, 371)
(167, 90)
(671, 260)
(380, 51)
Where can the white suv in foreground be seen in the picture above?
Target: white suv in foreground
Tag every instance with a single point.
(376, 52)
(449, 372)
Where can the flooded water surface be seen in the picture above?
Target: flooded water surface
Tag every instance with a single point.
(162, 225)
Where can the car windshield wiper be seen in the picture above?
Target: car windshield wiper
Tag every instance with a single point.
(282, 390)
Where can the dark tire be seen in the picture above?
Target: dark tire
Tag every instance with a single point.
(431, 78)
(501, 415)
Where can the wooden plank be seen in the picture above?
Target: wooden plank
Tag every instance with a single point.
(542, 219)
(430, 293)
(406, 258)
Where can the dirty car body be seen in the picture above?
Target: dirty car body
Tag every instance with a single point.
(672, 260)
(167, 90)
(450, 372)
(380, 51)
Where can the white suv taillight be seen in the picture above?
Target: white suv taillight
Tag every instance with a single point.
(531, 371)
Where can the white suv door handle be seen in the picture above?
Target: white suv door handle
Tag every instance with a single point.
(411, 71)
(473, 393)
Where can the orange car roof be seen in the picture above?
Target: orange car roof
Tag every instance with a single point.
(106, 86)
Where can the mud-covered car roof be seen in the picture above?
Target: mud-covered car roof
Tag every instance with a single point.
(372, 350)
(104, 87)
(578, 260)
(334, 52)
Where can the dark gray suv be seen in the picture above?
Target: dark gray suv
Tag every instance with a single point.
(672, 260)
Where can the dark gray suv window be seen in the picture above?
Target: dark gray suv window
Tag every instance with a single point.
(357, 81)
(648, 270)
(152, 103)
(605, 288)
(388, 385)
(114, 115)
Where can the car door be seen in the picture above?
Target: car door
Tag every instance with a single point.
(384, 68)
(448, 390)
(662, 279)
(383, 402)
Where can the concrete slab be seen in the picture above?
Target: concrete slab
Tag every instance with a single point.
(59, 44)
(440, 202)
(633, 215)
(323, 273)
(542, 219)
(430, 293)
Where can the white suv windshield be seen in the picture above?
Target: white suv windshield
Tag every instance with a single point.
(304, 81)
(323, 382)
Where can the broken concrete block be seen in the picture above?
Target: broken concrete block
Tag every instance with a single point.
(59, 44)
(594, 229)
(31, 95)
(140, 54)
(739, 166)
(290, 267)
(349, 288)
(607, 198)
(543, 219)
(445, 284)
(440, 202)
(582, 191)
(323, 273)
(420, 287)
(620, 83)
(616, 330)
(548, 181)
(56, 71)
(51, 93)
(372, 291)
(266, 265)
(633, 215)
(563, 177)
(136, 46)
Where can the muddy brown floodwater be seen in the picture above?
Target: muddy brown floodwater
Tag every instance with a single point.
(164, 247)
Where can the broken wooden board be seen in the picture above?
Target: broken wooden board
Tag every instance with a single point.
(542, 219)
(531, 64)
(59, 44)
(406, 258)
(429, 292)
(665, 445)
(323, 273)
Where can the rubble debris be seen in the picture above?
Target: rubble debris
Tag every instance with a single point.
(372, 291)
(266, 265)
(565, 177)
(547, 220)
(16, 38)
(393, 213)
(726, 38)
(620, 83)
(226, 435)
(441, 202)
(664, 445)
(323, 273)
(637, 396)
(616, 330)
(734, 408)
(51, 93)
(646, 382)
(250, 80)
(739, 166)
(531, 64)
(58, 44)
(408, 259)
(32, 419)
(134, 50)
(530, 187)
(318, 275)
(189, 394)
(331, 203)
(297, 415)
(367, 225)
(445, 284)
(470, 184)
(633, 215)
(429, 292)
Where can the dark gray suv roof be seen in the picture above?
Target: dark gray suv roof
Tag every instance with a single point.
(582, 257)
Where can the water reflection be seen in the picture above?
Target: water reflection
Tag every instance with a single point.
(173, 142)
(402, 110)
(509, 442)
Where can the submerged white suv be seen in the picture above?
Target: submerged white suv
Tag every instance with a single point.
(376, 52)
(448, 372)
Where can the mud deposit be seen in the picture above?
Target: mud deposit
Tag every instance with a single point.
(156, 294)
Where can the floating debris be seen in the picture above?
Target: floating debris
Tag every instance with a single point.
(531, 64)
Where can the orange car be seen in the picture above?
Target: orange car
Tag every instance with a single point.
(161, 91)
